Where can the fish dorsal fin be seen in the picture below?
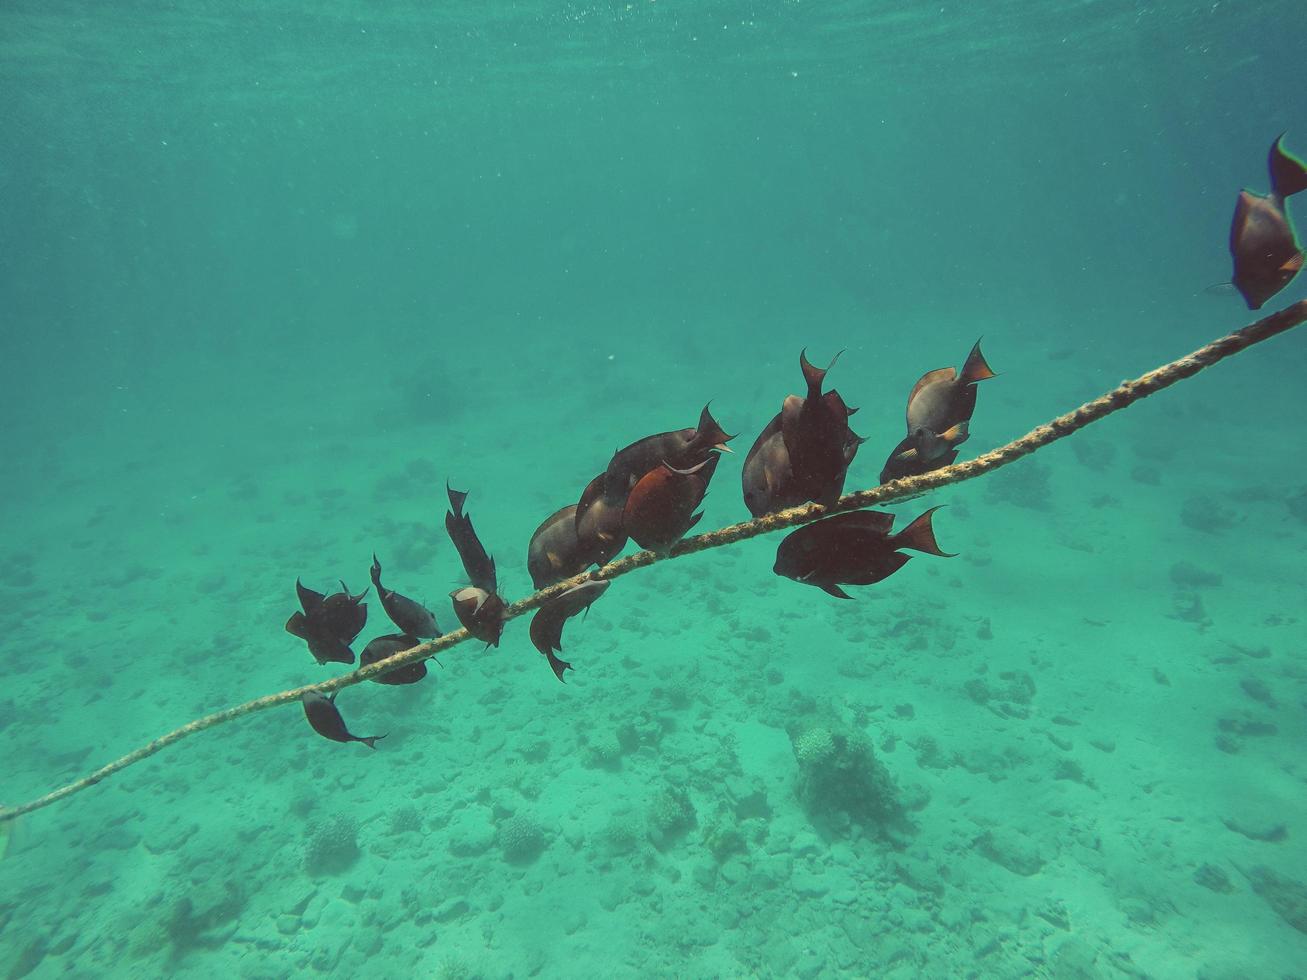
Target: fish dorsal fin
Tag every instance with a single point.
(309, 599)
(1288, 173)
(876, 521)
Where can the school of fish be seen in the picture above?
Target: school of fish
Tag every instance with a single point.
(650, 493)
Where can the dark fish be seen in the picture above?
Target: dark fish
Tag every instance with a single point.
(547, 624)
(328, 624)
(816, 433)
(410, 616)
(856, 548)
(480, 612)
(660, 508)
(680, 449)
(387, 646)
(767, 477)
(924, 451)
(599, 531)
(325, 718)
(1266, 253)
(479, 566)
(345, 614)
(939, 412)
(556, 552)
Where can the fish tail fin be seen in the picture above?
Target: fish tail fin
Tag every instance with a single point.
(976, 368)
(920, 536)
(814, 376)
(456, 499)
(372, 740)
(710, 432)
(1288, 173)
(559, 666)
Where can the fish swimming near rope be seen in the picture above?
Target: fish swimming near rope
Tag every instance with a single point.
(324, 717)
(556, 551)
(548, 622)
(661, 507)
(408, 614)
(384, 647)
(480, 567)
(856, 548)
(1266, 253)
(817, 437)
(328, 623)
(939, 412)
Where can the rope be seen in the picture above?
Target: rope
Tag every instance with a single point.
(1126, 394)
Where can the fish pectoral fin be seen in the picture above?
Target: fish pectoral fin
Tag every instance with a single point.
(833, 589)
(1294, 264)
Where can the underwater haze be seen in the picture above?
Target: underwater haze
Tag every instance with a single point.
(272, 273)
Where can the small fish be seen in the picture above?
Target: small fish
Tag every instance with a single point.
(856, 548)
(817, 437)
(556, 551)
(325, 718)
(660, 509)
(409, 615)
(480, 612)
(599, 531)
(547, 624)
(328, 624)
(680, 449)
(479, 566)
(387, 646)
(924, 451)
(1266, 253)
(939, 412)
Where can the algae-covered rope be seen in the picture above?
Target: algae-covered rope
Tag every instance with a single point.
(1118, 398)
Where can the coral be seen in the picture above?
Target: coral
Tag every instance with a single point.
(333, 846)
(404, 819)
(669, 817)
(521, 839)
(602, 750)
(840, 781)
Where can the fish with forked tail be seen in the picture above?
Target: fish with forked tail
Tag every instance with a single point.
(328, 623)
(324, 716)
(408, 614)
(1266, 253)
(547, 624)
(598, 519)
(660, 509)
(556, 551)
(680, 449)
(818, 441)
(939, 412)
(480, 567)
(387, 646)
(856, 548)
(480, 612)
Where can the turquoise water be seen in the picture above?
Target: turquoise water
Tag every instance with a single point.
(271, 274)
